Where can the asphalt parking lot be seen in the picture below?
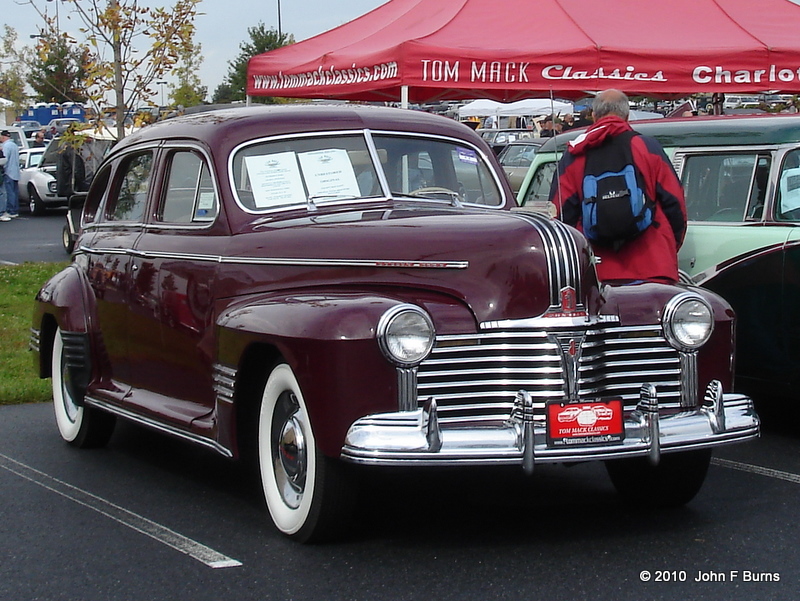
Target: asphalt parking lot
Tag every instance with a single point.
(30, 238)
(152, 518)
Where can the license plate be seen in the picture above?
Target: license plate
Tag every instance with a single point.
(581, 424)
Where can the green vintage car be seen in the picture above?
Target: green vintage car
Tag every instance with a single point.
(741, 176)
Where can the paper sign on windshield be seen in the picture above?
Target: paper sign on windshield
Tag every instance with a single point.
(329, 173)
(275, 179)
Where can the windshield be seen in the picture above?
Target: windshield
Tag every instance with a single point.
(343, 167)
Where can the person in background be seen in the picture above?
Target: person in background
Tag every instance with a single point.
(38, 140)
(12, 173)
(567, 122)
(3, 215)
(653, 254)
(547, 130)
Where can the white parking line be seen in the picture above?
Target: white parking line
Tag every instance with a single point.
(756, 469)
(162, 534)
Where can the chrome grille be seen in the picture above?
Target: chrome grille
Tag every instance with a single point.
(474, 378)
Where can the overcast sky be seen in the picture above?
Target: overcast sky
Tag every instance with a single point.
(222, 27)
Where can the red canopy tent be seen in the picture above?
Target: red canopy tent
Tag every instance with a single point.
(427, 50)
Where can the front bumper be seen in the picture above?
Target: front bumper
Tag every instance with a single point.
(415, 437)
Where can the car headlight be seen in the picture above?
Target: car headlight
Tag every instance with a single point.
(688, 321)
(406, 335)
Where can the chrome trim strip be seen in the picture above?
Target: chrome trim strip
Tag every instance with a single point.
(545, 322)
(224, 382)
(35, 340)
(406, 388)
(561, 253)
(390, 263)
(689, 379)
(160, 426)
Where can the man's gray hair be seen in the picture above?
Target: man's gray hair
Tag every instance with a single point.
(611, 102)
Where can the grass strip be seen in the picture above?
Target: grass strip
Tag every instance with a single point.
(19, 284)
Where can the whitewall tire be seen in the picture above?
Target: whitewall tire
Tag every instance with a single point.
(309, 496)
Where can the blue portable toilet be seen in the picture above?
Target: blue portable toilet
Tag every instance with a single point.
(74, 110)
(53, 112)
(41, 113)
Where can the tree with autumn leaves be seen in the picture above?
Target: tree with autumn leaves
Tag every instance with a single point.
(125, 49)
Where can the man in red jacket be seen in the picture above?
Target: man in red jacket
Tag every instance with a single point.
(653, 254)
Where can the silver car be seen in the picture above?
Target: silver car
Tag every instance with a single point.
(29, 159)
(39, 187)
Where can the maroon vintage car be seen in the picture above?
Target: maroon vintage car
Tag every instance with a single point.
(319, 287)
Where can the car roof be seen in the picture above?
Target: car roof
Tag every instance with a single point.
(225, 129)
(721, 130)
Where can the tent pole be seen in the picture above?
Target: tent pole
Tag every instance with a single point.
(403, 97)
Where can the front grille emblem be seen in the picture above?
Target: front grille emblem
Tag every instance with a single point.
(570, 347)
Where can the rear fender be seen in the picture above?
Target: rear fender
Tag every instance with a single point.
(65, 301)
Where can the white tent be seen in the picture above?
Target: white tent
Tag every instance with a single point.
(6, 114)
(521, 108)
(636, 115)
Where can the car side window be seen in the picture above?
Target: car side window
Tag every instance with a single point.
(788, 204)
(724, 186)
(189, 196)
(129, 197)
(539, 187)
(95, 195)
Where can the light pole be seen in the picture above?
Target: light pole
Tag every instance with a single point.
(58, 25)
(279, 19)
(162, 84)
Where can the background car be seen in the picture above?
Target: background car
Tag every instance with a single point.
(18, 136)
(42, 190)
(516, 158)
(29, 159)
(28, 127)
(318, 288)
(499, 138)
(56, 127)
(741, 179)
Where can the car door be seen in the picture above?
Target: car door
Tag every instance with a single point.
(108, 245)
(176, 260)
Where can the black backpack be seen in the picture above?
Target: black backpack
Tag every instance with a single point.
(615, 207)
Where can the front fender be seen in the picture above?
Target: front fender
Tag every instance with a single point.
(329, 340)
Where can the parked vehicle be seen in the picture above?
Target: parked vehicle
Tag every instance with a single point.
(18, 136)
(740, 102)
(516, 158)
(29, 159)
(272, 282)
(499, 138)
(43, 189)
(741, 177)
(58, 126)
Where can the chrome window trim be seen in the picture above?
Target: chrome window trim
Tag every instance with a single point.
(172, 146)
(101, 215)
(367, 135)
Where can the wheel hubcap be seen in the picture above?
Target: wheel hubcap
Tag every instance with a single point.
(289, 453)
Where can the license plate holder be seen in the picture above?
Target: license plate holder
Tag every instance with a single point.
(584, 424)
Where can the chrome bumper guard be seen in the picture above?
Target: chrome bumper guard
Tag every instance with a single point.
(407, 437)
